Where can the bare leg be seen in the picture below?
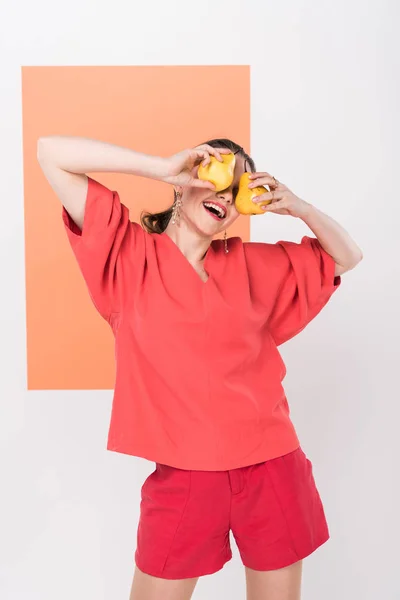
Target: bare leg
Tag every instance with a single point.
(282, 584)
(147, 587)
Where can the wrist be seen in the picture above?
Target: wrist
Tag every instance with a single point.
(308, 211)
(159, 168)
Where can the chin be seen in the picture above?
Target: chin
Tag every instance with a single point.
(209, 231)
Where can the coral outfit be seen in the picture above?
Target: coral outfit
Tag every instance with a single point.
(199, 376)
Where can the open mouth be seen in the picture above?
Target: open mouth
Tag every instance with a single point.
(215, 211)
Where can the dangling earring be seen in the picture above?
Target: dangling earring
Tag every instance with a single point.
(226, 243)
(176, 208)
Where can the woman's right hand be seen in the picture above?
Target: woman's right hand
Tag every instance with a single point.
(180, 166)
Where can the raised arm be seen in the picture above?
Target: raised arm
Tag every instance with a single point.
(65, 160)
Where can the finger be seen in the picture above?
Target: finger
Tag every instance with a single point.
(201, 156)
(218, 151)
(275, 197)
(263, 181)
(214, 151)
(275, 206)
(259, 174)
(207, 159)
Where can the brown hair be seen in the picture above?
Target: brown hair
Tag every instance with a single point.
(157, 222)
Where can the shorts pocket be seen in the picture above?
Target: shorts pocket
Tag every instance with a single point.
(165, 494)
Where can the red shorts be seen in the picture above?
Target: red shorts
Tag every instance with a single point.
(273, 509)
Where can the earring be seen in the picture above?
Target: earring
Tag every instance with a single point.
(226, 243)
(176, 208)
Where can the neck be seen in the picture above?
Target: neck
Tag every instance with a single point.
(192, 245)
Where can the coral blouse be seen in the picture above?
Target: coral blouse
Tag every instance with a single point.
(198, 373)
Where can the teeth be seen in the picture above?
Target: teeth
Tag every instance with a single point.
(220, 210)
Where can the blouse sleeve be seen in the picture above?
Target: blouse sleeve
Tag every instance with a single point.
(106, 234)
(306, 282)
(291, 281)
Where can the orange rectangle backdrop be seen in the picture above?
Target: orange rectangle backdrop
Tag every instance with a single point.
(157, 110)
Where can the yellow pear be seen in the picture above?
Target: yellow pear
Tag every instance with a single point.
(244, 198)
(219, 173)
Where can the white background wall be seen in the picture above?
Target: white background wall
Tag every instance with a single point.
(325, 121)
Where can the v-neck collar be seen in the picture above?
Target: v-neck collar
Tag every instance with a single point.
(208, 255)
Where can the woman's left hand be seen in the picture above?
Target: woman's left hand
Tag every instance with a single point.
(284, 202)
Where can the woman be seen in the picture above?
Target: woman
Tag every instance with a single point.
(199, 377)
